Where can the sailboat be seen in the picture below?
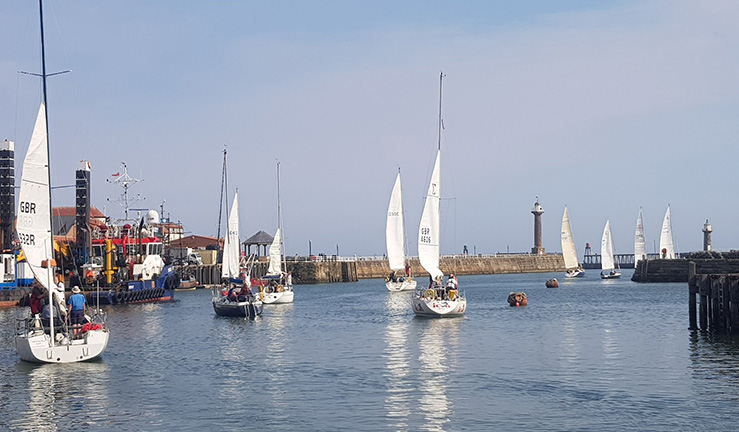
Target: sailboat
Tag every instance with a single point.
(36, 341)
(279, 283)
(666, 242)
(574, 269)
(608, 265)
(640, 245)
(234, 299)
(395, 242)
(436, 300)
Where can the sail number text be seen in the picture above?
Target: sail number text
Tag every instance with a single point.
(393, 213)
(425, 236)
(27, 239)
(27, 207)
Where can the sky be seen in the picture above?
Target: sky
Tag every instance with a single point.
(603, 107)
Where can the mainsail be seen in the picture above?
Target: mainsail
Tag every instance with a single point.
(33, 222)
(231, 243)
(568, 243)
(640, 248)
(394, 229)
(429, 229)
(606, 248)
(275, 255)
(666, 243)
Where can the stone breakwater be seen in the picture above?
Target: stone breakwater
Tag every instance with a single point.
(328, 271)
(466, 265)
(676, 270)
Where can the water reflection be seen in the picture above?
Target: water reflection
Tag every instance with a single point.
(64, 396)
(276, 367)
(438, 343)
(397, 361)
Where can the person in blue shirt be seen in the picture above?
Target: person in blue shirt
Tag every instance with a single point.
(77, 308)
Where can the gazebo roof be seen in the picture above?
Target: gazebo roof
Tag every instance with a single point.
(260, 238)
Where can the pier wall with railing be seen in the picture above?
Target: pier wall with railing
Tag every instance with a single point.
(327, 269)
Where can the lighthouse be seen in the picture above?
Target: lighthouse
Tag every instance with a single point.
(538, 249)
(707, 230)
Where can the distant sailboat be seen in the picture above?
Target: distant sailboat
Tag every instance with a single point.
(640, 248)
(574, 269)
(666, 242)
(395, 242)
(279, 287)
(608, 264)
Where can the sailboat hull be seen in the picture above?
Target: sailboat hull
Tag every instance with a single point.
(575, 273)
(615, 275)
(34, 347)
(433, 308)
(406, 285)
(244, 309)
(280, 297)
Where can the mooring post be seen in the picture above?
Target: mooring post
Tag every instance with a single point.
(713, 316)
(704, 284)
(692, 293)
(734, 304)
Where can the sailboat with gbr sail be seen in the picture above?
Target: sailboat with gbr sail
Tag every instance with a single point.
(436, 300)
(48, 340)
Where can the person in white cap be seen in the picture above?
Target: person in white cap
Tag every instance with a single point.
(77, 308)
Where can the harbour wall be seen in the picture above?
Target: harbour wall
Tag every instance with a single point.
(467, 265)
(676, 270)
(328, 270)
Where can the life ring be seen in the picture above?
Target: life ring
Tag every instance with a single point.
(120, 297)
(430, 293)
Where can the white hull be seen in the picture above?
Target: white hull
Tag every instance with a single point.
(34, 347)
(616, 275)
(406, 285)
(423, 306)
(278, 297)
(575, 273)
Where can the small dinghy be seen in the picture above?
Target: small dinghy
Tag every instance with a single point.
(516, 299)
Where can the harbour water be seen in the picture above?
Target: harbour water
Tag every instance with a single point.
(590, 355)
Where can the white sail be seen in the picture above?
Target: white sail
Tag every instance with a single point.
(275, 255)
(231, 245)
(640, 246)
(34, 222)
(394, 229)
(606, 248)
(429, 230)
(666, 243)
(568, 243)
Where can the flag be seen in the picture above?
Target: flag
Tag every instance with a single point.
(116, 174)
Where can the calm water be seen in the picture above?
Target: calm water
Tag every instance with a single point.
(590, 355)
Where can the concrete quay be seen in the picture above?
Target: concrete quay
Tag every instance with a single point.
(676, 270)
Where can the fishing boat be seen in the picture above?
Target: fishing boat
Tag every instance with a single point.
(572, 265)
(640, 246)
(608, 265)
(396, 244)
(51, 340)
(234, 298)
(666, 242)
(436, 300)
(277, 284)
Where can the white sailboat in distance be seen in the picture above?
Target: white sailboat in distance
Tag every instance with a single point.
(572, 265)
(666, 242)
(608, 264)
(640, 245)
(279, 283)
(395, 242)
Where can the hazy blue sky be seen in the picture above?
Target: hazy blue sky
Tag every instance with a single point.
(601, 106)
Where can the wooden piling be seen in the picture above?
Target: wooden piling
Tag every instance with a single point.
(692, 294)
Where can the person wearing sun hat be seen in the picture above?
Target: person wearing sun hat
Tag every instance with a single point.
(77, 308)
